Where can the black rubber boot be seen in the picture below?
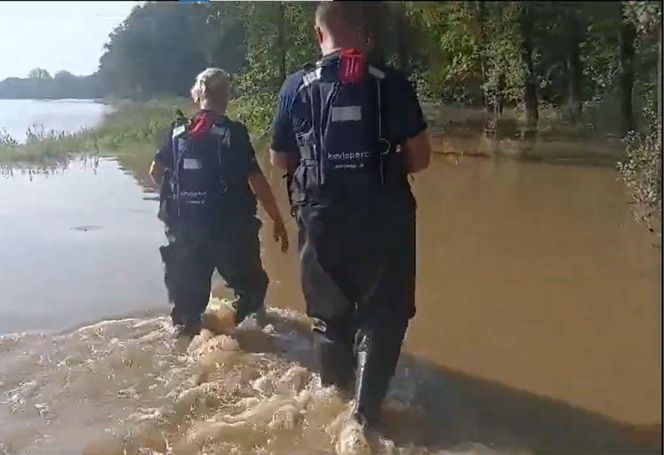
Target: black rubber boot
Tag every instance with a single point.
(250, 295)
(187, 326)
(259, 315)
(377, 352)
(333, 350)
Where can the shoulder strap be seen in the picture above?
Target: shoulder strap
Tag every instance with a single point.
(311, 83)
(316, 123)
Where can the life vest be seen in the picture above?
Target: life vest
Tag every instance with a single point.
(347, 145)
(202, 187)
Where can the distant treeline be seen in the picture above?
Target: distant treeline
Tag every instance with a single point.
(530, 54)
(40, 84)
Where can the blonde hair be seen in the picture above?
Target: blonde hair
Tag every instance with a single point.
(213, 86)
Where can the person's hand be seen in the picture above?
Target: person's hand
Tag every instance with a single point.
(280, 235)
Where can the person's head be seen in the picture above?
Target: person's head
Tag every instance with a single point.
(340, 25)
(212, 90)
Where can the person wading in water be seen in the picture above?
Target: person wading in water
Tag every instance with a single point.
(211, 181)
(349, 132)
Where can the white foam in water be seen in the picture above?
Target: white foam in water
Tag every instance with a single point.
(126, 387)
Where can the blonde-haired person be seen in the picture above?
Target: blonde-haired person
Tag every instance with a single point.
(210, 183)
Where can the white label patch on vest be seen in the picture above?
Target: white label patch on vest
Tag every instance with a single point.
(178, 130)
(346, 114)
(192, 163)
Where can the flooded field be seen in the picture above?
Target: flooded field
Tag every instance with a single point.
(538, 325)
(16, 116)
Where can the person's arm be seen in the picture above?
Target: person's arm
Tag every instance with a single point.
(156, 172)
(265, 196)
(259, 185)
(163, 160)
(283, 160)
(418, 152)
(279, 159)
(411, 126)
(283, 149)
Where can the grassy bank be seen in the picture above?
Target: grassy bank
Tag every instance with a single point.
(130, 128)
(132, 131)
(127, 125)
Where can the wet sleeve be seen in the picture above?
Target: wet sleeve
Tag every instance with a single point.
(409, 120)
(283, 135)
(248, 163)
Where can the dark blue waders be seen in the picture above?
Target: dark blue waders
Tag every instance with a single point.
(356, 216)
(191, 257)
(358, 278)
(209, 211)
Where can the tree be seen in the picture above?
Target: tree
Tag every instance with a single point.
(538, 55)
(576, 21)
(529, 83)
(156, 50)
(627, 37)
(39, 73)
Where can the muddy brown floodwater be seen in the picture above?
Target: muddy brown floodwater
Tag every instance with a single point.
(537, 331)
(534, 276)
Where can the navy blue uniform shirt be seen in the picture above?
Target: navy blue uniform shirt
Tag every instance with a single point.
(293, 112)
(243, 159)
(240, 162)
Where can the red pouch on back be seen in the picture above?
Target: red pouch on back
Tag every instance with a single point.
(353, 66)
(201, 123)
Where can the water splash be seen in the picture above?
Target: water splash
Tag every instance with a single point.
(127, 387)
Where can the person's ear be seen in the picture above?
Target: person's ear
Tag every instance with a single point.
(319, 34)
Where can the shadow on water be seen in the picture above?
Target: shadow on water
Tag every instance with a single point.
(441, 409)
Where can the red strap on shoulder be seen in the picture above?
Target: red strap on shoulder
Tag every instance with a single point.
(353, 66)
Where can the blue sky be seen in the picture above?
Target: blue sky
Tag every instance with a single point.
(56, 35)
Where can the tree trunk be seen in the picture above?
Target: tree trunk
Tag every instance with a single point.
(281, 40)
(626, 78)
(530, 86)
(481, 17)
(659, 78)
(402, 38)
(574, 71)
(376, 22)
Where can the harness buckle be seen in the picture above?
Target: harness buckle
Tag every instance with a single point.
(388, 146)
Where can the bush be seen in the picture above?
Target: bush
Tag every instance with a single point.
(131, 127)
(255, 111)
(642, 171)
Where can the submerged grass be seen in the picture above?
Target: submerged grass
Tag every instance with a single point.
(43, 146)
(130, 129)
(127, 126)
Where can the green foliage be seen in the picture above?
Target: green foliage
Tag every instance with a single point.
(574, 57)
(504, 65)
(642, 169)
(139, 122)
(43, 145)
(452, 49)
(39, 73)
(255, 111)
(129, 125)
(279, 43)
(157, 50)
(471, 52)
